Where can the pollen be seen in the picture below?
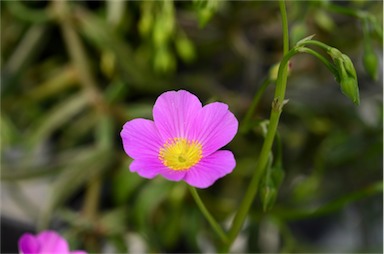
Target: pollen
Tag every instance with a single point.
(180, 153)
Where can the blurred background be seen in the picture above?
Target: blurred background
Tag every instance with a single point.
(72, 73)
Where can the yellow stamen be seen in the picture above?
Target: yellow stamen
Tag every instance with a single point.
(180, 153)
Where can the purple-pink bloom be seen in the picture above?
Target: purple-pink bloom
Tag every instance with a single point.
(45, 242)
(183, 141)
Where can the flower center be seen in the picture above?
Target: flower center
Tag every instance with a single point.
(180, 153)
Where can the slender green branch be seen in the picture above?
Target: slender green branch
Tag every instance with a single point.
(21, 11)
(78, 55)
(346, 11)
(316, 43)
(284, 21)
(91, 202)
(255, 102)
(90, 209)
(359, 14)
(335, 205)
(220, 232)
(277, 106)
(80, 61)
(327, 63)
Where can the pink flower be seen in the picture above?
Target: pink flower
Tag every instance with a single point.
(45, 242)
(183, 140)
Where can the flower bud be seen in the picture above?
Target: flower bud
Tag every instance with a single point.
(346, 75)
(350, 89)
(160, 35)
(371, 63)
(334, 53)
(146, 21)
(270, 186)
(205, 10)
(348, 82)
(324, 21)
(274, 70)
(268, 193)
(164, 60)
(298, 31)
(277, 175)
(185, 48)
(349, 66)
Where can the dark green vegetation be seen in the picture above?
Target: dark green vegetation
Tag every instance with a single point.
(74, 72)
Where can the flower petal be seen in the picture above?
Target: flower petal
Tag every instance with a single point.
(141, 139)
(52, 242)
(174, 112)
(28, 243)
(150, 168)
(214, 127)
(210, 168)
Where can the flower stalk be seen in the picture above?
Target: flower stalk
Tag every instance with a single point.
(277, 106)
(218, 229)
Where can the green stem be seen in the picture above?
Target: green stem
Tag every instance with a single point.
(220, 232)
(328, 64)
(316, 43)
(284, 23)
(254, 104)
(346, 11)
(359, 14)
(279, 153)
(90, 210)
(80, 61)
(287, 214)
(78, 56)
(22, 12)
(91, 202)
(277, 106)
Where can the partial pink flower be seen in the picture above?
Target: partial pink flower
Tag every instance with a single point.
(183, 141)
(45, 242)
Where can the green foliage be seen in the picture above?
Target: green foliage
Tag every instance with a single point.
(157, 26)
(205, 10)
(73, 72)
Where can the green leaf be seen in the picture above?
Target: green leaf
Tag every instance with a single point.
(113, 221)
(105, 131)
(56, 118)
(148, 200)
(125, 183)
(300, 42)
(72, 178)
(25, 170)
(98, 33)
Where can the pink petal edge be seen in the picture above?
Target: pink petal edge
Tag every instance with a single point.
(210, 169)
(28, 243)
(174, 113)
(214, 126)
(141, 139)
(52, 242)
(150, 168)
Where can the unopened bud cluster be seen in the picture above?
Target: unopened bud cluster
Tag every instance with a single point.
(346, 75)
